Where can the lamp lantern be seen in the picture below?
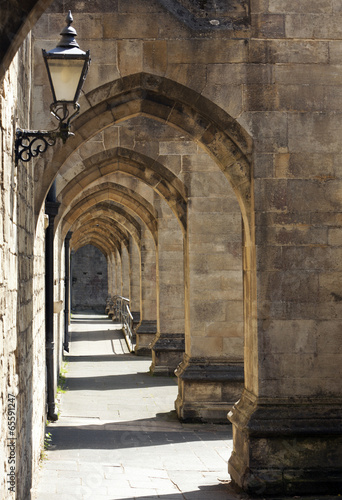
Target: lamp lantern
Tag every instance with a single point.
(67, 66)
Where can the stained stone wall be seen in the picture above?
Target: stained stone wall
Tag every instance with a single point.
(22, 320)
(89, 288)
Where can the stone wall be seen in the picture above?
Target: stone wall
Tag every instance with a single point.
(89, 280)
(22, 338)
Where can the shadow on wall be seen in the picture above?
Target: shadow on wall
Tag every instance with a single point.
(89, 279)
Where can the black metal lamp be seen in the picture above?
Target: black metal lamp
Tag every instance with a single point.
(67, 66)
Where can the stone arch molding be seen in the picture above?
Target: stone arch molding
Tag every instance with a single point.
(133, 202)
(108, 213)
(137, 165)
(107, 232)
(170, 102)
(100, 244)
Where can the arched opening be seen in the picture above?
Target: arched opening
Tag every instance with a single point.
(89, 280)
(94, 184)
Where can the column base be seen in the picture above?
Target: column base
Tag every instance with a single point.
(145, 334)
(167, 353)
(287, 446)
(207, 389)
(136, 320)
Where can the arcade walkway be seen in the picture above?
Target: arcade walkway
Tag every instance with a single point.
(118, 437)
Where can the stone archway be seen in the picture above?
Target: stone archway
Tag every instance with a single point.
(208, 125)
(169, 102)
(205, 123)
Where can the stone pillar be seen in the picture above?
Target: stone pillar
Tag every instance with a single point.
(118, 272)
(210, 378)
(147, 329)
(168, 346)
(287, 426)
(111, 284)
(125, 271)
(135, 281)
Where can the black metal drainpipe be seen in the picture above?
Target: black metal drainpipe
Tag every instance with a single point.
(66, 290)
(51, 209)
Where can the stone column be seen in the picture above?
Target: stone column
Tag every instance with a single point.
(147, 329)
(287, 425)
(210, 378)
(135, 281)
(125, 271)
(118, 272)
(168, 346)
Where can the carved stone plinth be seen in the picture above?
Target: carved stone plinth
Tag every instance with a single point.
(207, 389)
(145, 334)
(167, 353)
(287, 446)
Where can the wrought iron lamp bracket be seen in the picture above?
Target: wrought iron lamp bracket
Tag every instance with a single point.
(30, 143)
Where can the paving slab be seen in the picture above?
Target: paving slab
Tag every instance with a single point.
(118, 436)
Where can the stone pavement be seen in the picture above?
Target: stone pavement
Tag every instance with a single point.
(118, 436)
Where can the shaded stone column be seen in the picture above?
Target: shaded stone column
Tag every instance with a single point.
(135, 281)
(210, 378)
(287, 425)
(118, 272)
(147, 329)
(111, 274)
(168, 346)
(125, 271)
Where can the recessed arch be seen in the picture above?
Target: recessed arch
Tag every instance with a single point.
(95, 240)
(103, 226)
(106, 210)
(137, 165)
(170, 102)
(110, 191)
(105, 231)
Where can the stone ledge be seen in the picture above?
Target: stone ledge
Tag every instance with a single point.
(147, 327)
(167, 353)
(202, 369)
(302, 435)
(208, 389)
(287, 416)
(169, 342)
(203, 412)
(136, 319)
(145, 334)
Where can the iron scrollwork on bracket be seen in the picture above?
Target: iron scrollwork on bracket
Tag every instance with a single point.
(30, 143)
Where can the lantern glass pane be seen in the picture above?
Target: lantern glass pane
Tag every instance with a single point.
(65, 76)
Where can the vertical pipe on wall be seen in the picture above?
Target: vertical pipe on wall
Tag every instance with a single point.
(66, 290)
(51, 209)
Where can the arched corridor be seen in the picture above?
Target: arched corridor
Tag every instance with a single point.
(203, 171)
